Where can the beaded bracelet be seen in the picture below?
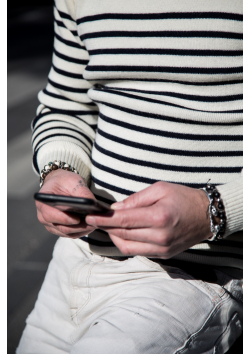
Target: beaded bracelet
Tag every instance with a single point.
(213, 195)
(54, 166)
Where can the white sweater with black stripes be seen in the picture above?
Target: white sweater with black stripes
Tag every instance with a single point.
(142, 91)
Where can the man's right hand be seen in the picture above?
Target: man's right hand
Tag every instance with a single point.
(58, 222)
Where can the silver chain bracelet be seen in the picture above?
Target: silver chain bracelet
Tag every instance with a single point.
(52, 166)
(213, 195)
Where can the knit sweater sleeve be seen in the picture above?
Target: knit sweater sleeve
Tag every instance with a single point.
(232, 196)
(64, 128)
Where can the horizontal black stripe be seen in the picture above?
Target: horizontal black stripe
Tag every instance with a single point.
(169, 151)
(64, 128)
(64, 15)
(72, 113)
(94, 242)
(164, 167)
(165, 69)
(163, 16)
(179, 95)
(169, 134)
(223, 254)
(189, 83)
(62, 121)
(63, 112)
(225, 243)
(67, 74)
(60, 97)
(111, 187)
(68, 43)
(104, 200)
(58, 121)
(159, 51)
(127, 192)
(155, 101)
(70, 59)
(61, 24)
(166, 118)
(54, 95)
(162, 34)
(63, 135)
(129, 176)
(67, 88)
(124, 175)
(111, 244)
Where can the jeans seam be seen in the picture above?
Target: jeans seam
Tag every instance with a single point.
(89, 291)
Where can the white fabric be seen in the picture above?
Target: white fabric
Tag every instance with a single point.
(94, 304)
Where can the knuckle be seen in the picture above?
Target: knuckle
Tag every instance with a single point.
(161, 239)
(164, 253)
(121, 233)
(124, 220)
(62, 229)
(40, 218)
(124, 248)
(161, 218)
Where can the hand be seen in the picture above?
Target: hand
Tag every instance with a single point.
(159, 221)
(58, 222)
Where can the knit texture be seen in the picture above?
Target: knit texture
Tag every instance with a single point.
(145, 91)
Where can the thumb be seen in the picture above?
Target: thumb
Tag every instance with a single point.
(144, 198)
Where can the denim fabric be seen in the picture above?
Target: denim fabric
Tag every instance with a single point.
(93, 304)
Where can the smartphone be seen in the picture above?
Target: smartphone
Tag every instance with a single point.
(70, 204)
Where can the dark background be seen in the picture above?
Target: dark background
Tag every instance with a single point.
(30, 43)
(30, 246)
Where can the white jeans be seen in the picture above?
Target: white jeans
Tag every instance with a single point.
(92, 304)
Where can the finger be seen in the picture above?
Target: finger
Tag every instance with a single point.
(132, 248)
(53, 215)
(130, 218)
(151, 236)
(56, 231)
(146, 197)
(80, 228)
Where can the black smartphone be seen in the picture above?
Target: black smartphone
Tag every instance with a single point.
(70, 204)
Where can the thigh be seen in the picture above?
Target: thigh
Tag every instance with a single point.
(153, 310)
(49, 325)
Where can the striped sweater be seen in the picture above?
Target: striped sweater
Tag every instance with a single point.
(142, 91)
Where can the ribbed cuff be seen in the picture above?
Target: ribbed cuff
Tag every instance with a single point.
(232, 197)
(66, 152)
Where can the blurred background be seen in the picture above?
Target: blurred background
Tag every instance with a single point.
(30, 246)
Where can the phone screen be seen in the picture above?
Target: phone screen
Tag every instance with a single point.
(71, 204)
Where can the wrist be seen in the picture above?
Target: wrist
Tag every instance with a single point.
(204, 205)
(55, 166)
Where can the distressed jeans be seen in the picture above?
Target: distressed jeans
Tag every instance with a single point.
(93, 304)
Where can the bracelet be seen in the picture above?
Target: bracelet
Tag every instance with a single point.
(54, 166)
(213, 195)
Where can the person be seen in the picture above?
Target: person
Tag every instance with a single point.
(144, 100)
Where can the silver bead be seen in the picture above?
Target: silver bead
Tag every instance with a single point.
(217, 228)
(214, 211)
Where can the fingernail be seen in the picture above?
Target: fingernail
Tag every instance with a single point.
(118, 205)
(90, 220)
